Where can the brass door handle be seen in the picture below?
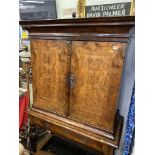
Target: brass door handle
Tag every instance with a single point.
(72, 81)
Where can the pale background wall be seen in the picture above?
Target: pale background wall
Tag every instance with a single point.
(64, 6)
(128, 79)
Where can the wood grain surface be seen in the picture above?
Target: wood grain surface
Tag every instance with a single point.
(97, 67)
(50, 64)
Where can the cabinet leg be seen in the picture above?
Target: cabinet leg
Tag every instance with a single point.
(33, 139)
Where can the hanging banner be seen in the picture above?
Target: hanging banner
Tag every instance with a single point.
(107, 8)
(117, 9)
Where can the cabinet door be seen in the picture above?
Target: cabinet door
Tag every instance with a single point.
(96, 68)
(50, 67)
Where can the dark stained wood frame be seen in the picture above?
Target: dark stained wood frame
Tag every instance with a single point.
(104, 29)
(108, 29)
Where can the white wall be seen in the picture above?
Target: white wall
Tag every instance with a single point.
(126, 89)
(65, 8)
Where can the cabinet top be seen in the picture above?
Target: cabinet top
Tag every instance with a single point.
(125, 20)
(81, 27)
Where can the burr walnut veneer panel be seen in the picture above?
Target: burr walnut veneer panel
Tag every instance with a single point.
(50, 64)
(97, 67)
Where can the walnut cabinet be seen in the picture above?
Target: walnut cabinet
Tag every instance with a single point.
(77, 68)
